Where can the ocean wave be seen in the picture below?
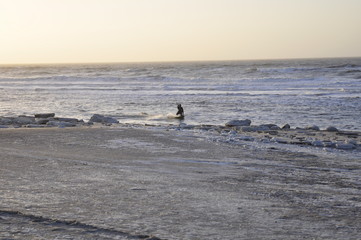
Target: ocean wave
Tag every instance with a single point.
(289, 70)
(353, 71)
(59, 79)
(349, 72)
(346, 65)
(74, 89)
(251, 70)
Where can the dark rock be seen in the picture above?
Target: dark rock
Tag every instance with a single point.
(249, 129)
(270, 126)
(262, 128)
(24, 120)
(287, 126)
(44, 115)
(238, 123)
(102, 119)
(72, 120)
(313, 127)
(42, 120)
(6, 121)
(60, 124)
(331, 129)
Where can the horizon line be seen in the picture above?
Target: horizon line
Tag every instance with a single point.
(175, 61)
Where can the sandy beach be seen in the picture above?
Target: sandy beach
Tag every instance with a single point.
(127, 183)
(180, 120)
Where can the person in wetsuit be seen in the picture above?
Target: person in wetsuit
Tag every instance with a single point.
(180, 111)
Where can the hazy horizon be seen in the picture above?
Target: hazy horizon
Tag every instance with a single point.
(143, 31)
(183, 61)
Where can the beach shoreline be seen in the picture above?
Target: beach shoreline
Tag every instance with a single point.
(135, 183)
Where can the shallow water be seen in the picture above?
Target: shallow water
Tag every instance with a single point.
(323, 92)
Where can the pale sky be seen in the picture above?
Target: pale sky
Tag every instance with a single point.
(69, 31)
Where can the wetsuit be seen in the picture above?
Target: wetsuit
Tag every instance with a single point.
(180, 110)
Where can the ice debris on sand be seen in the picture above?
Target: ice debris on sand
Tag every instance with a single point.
(234, 131)
(102, 119)
(238, 131)
(49, 120)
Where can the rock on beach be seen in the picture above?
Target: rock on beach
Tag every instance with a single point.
(6, 121)
(102, 119)
(60, 124)
(44, 115)
(42, 121)
(21, 120)
(49, 120)
(238, 123)
(234, 130)
(39, 120)
(313, 127)
(331, 129)
(311, 135)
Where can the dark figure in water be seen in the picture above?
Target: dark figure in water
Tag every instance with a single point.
(180, 111)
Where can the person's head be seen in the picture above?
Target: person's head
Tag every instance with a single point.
(179, 105)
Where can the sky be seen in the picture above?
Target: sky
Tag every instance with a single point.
(84, 31)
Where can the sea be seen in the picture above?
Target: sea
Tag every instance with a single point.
(298, 92)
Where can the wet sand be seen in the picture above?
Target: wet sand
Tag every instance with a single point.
(123, 183)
